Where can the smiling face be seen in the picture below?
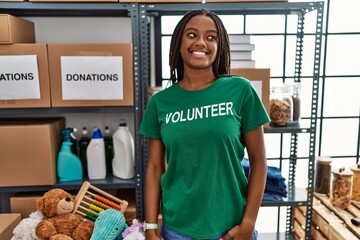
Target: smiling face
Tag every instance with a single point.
(199, 43)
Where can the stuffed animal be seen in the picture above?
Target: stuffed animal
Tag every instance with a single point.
(60, 223)
(25, 230)
(134, 232)
(108, 225)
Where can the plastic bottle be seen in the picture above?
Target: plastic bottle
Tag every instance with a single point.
(83, 144)
(123, 164)
(74, 142)
(68, 164)
(109, 149)
(95, 154)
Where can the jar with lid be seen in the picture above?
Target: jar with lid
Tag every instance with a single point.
(323, 175)
(281, 105)
(356, 182)
(296, 98)
(341, 188)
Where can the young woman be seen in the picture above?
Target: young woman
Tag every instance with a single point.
(202, 125)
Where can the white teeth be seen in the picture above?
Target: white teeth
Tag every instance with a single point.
(199, 53)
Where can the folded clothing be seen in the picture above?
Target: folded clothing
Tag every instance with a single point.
(275, 188)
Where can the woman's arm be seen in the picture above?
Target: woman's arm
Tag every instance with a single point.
(154, 171)
(254, 141)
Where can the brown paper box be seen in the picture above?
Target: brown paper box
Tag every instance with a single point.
(8, 221)
(41, 52)
(29, 150)
(55, 51)
(81, 1)
(197, 1)
(25, 203)
(16, 30)
(262, 74)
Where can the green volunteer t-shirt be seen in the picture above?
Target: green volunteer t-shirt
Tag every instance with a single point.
(204, 186)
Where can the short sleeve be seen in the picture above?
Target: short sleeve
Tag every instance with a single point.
(150, 125)
(253, 111)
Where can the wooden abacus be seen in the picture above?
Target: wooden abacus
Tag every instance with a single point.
(90, 201)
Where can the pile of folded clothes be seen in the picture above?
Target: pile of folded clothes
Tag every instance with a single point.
(275, 189)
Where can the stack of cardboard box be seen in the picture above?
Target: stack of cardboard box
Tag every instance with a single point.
(33, 75)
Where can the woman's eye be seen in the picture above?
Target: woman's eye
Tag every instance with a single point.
(191, 35)
(211, 38)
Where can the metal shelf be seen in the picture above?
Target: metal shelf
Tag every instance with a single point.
(13, 112)
(66, 9)
(295, 198)
(40, 9)
(296, 127)
(110, 182)
(248, 8)
(276, 236)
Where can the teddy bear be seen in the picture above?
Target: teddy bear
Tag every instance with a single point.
(59, 222)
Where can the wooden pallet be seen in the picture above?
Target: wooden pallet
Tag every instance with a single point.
(329, 222)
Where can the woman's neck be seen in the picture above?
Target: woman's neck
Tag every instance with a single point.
(197, 81)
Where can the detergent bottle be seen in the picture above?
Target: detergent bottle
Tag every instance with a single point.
(83, 144)
(109, 149)
(123, 164)
(95, 154)
(68, 164)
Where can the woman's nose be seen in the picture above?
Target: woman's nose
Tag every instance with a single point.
(200, 42)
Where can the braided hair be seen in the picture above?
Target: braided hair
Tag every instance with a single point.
(221, 65)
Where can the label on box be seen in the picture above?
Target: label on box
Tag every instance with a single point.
(92, 77)
(19, 77)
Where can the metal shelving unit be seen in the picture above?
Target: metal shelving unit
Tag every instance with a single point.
(26, 9)
(140, 15)
(296, 196)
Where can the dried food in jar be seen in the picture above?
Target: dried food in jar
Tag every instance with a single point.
(341, 188)
(323, 175)
(296, 98)
(355, 195)
(281, 105)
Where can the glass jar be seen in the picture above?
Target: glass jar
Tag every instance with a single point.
(281, 105)
(296, 98)
(341, 188)
(356, 183)
(323, 175)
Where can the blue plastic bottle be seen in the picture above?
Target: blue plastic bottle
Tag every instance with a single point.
(69, 166)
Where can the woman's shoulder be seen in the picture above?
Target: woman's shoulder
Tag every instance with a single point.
(162, 92)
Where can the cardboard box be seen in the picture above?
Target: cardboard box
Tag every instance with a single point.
(29, 150)
(247, 1)
(197, 1)
(56, 51)
(25, 203)
(153, 90)
(261, 79)
(76, 1)
(42, 63)
(129, 196)
(8, 221)
(16, 30)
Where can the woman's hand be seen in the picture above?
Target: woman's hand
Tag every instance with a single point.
(152, 235)
(239, 232)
